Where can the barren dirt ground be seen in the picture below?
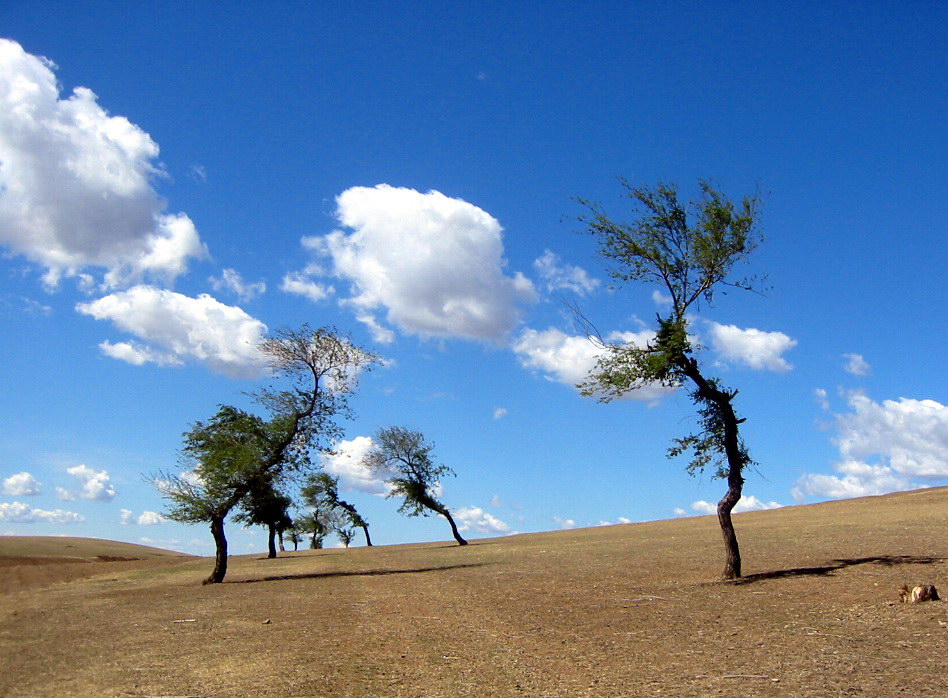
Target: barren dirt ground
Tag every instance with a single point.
(632, 610)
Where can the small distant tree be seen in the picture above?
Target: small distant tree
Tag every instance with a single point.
(344, 533)
(404, 456)
(225, 458)
(690, 252)
(315, 525)
(266, 506)
(293, 536)
(322, 490)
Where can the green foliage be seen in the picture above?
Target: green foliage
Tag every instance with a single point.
(707, 446)
(235, 451)
(689, 251)
(690, 255)
(264, 505)
(322, 490)
(225, 453)
(404, 456)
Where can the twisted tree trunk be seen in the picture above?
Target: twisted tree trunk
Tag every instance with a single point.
(220, 558)
(736, 460)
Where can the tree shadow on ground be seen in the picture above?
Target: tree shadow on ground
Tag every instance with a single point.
(838, 564)
(354, 573)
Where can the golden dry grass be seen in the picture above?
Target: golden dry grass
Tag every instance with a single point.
(631, 610)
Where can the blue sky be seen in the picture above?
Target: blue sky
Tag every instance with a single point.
(406, 173)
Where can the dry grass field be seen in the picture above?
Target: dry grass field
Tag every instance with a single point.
(631, 610)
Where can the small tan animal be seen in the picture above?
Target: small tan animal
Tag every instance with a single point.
(924, 592)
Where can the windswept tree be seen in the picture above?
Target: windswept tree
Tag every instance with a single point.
(690, 252)
(317, 525)
(266, 506)
(224, 458)
(322, 490)
(403, 456)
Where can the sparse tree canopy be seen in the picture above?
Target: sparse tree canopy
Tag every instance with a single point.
(228, 456)
(691, 252)
(322, 490)
(404, 456)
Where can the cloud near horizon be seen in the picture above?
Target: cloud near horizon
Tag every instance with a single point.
(883, 447)
(18, 512)
(424, 263)
(76, 184)
(477, 520)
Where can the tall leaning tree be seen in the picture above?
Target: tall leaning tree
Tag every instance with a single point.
(234, 452)
(403, 456)
(690, 250)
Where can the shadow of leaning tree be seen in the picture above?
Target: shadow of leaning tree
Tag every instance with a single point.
(236, 452)
(690, 252)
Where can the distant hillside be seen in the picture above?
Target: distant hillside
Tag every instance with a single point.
(52, 549)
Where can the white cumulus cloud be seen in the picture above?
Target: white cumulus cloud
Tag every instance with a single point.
(92, 484)
(150, 518)
(568, 359)
(21, 485)
(884, 447)
(478, 520)
(754, 348)
(346, 462)
(428, 264)
(76, 183)
(176, 327)
(557, 276)
(18, 512)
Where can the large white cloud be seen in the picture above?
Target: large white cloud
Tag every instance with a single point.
(478, 520)
(21, 485)
(754, 348)
(178, 327)
(568, 359)
(75, 183)
(884, 447)
(346, 462)
(18, 512)
(432, 265)
(93, 484)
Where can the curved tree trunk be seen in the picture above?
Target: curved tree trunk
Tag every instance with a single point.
(736, 460)
(271, 541)
(454, 528)
(368, 541)
(280, 541)
(220, 558)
